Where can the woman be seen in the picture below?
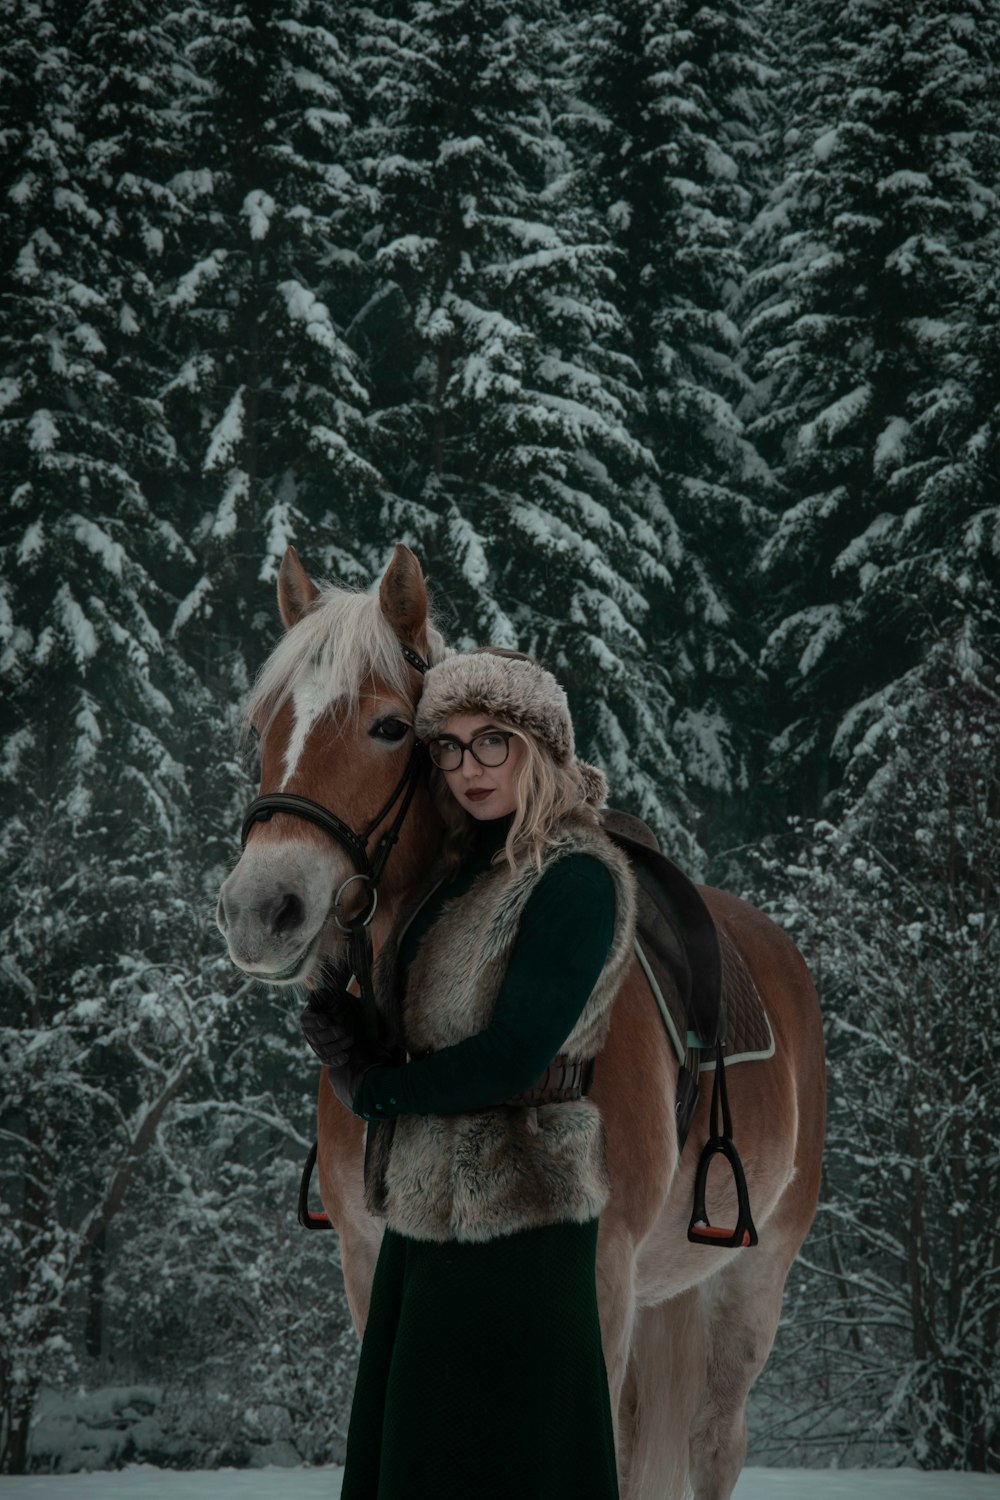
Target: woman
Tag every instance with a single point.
(481, 1371)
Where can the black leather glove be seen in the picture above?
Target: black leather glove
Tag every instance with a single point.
(334, 1030)
(331, 1025)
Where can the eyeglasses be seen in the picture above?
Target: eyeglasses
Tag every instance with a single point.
(490, 749)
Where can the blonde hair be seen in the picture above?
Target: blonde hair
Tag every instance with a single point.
(547, 795)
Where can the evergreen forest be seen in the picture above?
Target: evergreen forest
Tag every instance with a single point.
(667, 335)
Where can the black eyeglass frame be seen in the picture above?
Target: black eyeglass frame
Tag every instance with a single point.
(452, 739)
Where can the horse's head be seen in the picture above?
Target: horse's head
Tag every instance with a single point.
(333, 708)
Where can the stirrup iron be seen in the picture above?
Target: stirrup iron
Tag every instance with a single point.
(720, 1143)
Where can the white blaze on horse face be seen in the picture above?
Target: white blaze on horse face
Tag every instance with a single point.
(310, 700)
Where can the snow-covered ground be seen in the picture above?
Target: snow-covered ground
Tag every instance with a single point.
(143, 1483)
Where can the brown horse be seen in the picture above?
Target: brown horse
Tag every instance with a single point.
(686, 1328)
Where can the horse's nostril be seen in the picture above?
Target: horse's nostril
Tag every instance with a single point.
(290, 913)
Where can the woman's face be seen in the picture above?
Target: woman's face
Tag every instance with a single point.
(483, 791)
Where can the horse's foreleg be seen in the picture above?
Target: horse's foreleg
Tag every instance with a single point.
(358, 1256)
(340, 1167)
(616, 1301)
(637, 1103)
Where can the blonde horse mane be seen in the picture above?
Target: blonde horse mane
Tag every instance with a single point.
(342, 640)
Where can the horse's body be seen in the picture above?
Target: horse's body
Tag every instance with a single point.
(686, 1328)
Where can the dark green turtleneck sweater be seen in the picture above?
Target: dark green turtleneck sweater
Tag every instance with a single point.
(563, 941)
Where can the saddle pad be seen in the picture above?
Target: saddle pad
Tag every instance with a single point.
(749, 1037)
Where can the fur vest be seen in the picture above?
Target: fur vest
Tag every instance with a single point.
(476, 1176)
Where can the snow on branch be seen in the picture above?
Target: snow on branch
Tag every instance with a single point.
(835, 418)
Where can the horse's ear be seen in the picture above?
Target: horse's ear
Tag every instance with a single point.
(296, 590)
(403, 596)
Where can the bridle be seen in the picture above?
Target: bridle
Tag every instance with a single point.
(370, 868)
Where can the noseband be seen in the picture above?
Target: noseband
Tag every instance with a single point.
(369, 869)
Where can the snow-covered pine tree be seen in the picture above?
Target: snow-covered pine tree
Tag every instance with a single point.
(267, 397)
(82, 435)
(214, 1292)
(871, 258)
(895, 908)
(108, 1002)
(505, 400)
(670, 108)
(876, 333)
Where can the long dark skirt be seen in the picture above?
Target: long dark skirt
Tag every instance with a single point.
(482, 1375)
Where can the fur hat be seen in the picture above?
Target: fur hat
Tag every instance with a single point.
(507, 687)
(514, 690)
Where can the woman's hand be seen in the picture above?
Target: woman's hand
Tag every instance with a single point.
(332, 1027)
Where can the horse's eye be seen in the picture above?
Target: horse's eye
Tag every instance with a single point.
(390, 729)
